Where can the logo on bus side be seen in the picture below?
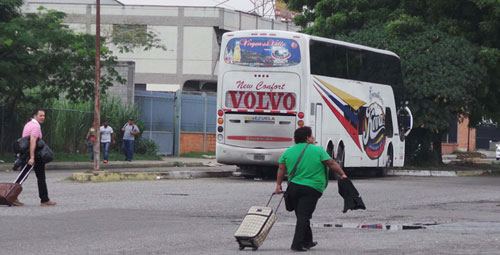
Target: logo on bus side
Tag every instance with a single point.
(374, 131)
(260, 100)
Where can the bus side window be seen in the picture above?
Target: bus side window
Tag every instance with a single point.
(389, 130)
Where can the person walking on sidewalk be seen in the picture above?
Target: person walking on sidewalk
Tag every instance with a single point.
(307, 184)
(90, 139)
(130, 130)
(107, 137)
(34, 131)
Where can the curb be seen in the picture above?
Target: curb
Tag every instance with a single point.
(109, 176)
(440, 173)
(80, 165)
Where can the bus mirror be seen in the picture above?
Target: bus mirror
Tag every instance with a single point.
(405, 121)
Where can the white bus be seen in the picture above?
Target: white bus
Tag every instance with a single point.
(272, 82)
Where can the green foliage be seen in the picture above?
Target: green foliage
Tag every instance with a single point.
(197, 154)
(129, 36)
(449, 51)
(145, 146)
(41, 58)
(418, 148)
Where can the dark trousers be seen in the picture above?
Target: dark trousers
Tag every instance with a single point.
(40, 176)
(128, 149)
(304, 199)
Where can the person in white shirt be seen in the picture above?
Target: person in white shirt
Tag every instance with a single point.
(107, 137)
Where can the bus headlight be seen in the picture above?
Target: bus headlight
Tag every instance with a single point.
(220, 137)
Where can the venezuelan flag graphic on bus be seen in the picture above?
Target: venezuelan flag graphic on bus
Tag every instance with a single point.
(347, 109)
(374, 131)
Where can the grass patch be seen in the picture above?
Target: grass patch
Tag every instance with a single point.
(198, 154)
(85, 157)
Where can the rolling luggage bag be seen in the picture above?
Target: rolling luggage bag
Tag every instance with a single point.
(256, 225)
(10, 191)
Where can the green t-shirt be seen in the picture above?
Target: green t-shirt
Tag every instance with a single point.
(310, 171)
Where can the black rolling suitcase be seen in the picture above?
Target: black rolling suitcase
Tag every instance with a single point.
(10, 191)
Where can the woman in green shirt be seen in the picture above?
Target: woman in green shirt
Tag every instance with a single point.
(308, 183)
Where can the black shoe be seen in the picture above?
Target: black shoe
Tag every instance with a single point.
(310, 245)
(298, 248)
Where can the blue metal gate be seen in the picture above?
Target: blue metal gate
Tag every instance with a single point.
(157, 110)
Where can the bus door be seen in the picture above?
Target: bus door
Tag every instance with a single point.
(318, 123)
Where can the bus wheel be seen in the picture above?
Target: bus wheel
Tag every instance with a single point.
(340, 160)
(382, 172)
(340, 157)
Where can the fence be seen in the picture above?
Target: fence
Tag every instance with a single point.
(168, 115)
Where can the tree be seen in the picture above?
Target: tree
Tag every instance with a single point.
(41, 58)
(449, 59)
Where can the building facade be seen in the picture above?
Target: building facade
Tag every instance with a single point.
(191, 36)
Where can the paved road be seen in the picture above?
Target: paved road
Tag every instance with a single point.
(200, 216)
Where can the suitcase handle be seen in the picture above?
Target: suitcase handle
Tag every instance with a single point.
(269, 201)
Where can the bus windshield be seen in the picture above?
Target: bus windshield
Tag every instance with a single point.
(262, 52)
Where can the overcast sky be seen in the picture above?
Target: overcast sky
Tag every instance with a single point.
(240, 5)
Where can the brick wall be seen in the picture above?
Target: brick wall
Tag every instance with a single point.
(463, 133)
(193, 142)
(448, 148)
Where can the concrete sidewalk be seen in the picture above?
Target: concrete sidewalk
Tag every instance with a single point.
(116, 165)
(172, 167)
(167, 168)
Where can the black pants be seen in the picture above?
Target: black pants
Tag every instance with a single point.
(40, 176)
(304, 199)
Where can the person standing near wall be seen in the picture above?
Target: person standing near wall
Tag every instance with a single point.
(34, 131)
(130, 130)
(107, 137)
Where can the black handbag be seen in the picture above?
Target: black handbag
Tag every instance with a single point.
(286, 196)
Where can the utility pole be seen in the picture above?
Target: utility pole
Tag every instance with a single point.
(97, 99)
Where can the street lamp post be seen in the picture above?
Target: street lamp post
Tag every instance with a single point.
(97, 99)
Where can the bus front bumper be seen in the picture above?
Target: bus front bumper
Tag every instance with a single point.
(233, 155)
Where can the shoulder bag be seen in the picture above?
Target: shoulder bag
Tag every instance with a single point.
(289, 205)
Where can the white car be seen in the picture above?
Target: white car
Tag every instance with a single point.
(498, 152)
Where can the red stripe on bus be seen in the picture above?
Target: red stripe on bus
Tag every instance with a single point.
(260, 138)
(291, 112)
(353, 132)
(242, 110)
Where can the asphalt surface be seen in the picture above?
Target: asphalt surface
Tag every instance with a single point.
(200, 216)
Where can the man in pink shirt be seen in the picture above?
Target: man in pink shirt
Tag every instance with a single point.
(34, 131)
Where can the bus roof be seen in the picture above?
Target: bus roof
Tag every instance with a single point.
(308, 38)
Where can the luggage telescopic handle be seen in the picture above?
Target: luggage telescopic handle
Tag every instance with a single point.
(269, 201)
